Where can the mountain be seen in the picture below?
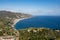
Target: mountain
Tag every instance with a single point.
(6, 29)
(6, 18)
(13, 14)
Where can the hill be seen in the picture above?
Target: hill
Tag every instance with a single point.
(6, 18)
(39, 34)
(13, 14)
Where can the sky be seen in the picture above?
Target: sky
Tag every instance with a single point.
(34, 7)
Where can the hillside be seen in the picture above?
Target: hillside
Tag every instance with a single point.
(13, 14)
(39, 34)
(6, 20)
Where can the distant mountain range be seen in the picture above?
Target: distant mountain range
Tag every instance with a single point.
(13, 14)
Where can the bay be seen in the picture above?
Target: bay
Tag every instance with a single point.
(52, 22)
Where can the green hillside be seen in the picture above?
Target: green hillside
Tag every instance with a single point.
(6, 18)
(39, 34)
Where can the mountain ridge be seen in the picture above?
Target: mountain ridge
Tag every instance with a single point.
(12, 14)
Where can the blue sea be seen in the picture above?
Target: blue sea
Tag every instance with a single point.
(52, 22)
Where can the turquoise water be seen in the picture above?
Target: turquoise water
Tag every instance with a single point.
(52, 22)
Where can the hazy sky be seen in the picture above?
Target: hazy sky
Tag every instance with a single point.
(34, 7)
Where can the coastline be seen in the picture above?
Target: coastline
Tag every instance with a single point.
(17, 20)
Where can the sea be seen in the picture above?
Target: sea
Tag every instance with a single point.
(51, 22)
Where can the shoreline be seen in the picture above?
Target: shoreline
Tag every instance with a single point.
(17, 20)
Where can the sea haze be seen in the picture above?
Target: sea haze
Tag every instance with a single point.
(52, 22)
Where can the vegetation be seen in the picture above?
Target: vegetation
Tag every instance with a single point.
(39, 34)
(5, 28)
(9, 14)
(6, 18)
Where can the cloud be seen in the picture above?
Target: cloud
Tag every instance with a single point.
(37, 11)
(41, 11)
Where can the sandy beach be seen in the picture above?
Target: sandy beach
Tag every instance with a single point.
(17, 20)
